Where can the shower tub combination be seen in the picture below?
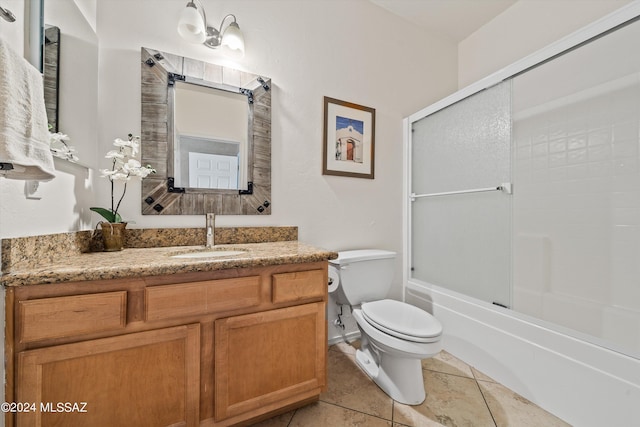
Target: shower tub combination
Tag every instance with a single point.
(523, 219)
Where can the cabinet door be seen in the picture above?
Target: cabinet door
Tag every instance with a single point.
(143, 379)
(269, 359)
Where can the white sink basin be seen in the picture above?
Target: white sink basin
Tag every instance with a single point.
(213, 253)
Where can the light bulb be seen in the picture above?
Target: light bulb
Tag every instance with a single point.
(191, 26)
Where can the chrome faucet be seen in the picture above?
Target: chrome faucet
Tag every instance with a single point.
(211, 230)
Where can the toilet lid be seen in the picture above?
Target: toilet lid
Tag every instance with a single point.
(402, 320)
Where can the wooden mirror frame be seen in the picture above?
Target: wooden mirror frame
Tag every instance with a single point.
(159, 196)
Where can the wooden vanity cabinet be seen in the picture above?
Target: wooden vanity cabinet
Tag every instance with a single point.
(145, 378)
(265, 358)
(218, 348)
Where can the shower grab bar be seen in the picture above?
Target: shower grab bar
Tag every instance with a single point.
(7, 15)
(504, 187)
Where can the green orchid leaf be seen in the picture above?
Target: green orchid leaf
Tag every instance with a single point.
(108, 215)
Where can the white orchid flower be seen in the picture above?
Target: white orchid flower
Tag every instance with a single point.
(113, 154)
(135, 147)
(59, 148)
(118, 142)
(58, 136)
(124, 166)
(132, 164)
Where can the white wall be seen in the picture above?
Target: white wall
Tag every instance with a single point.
(524, 28)
(64, 201)
(310, 49)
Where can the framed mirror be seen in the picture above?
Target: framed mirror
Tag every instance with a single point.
(70, 58)
(51, 74)
(206, 129)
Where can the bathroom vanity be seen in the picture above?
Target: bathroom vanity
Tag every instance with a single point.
(142, 337)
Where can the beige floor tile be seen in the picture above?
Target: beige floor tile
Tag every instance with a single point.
(451, 400)
(447, 363)
(322, 414)
(282, 420)
(420, 422)
(511, 409)
(345, 347)
(481, 376)
(349, 387)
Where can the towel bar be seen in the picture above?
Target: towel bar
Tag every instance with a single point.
(504, 187)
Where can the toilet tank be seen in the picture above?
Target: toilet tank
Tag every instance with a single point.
(365, 275)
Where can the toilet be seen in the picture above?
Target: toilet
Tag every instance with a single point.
(395, 336)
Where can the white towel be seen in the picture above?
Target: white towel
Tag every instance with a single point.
(24, 132)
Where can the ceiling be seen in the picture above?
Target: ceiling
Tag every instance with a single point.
(454, 19)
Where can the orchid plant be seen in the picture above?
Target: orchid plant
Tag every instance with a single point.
(59, 146)
(124, 166)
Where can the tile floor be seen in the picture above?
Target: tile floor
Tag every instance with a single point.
(457, 395)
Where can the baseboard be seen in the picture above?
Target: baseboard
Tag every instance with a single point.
(348, 337)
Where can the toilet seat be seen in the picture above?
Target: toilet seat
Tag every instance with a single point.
(402, 320)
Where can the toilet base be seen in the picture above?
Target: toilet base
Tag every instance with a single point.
(399, 377)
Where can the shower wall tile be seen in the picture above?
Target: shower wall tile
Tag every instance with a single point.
(528, 301)
(625, 148)
(597, 153)
(577, 141)
(558, 145)
(576, 175)
(626, 166)
(599, 137)
(600, 169)
(569, 311)
(621, 326)
(626, 131)
(626, 216)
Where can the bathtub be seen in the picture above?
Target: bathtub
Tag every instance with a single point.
(578, 381)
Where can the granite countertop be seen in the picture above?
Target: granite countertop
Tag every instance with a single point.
(138, 262)
(67, 257)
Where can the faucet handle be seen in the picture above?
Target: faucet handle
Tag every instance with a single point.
(210, 229)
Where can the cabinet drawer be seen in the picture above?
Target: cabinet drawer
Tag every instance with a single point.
(58, 317)
(196, 298)
(301, 285)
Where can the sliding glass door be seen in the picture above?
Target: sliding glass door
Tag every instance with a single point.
(460, 182)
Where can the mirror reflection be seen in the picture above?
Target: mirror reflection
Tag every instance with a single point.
(51, 59)
(70, 59)
(209, 137)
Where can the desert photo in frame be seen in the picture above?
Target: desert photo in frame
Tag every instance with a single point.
(349, 139)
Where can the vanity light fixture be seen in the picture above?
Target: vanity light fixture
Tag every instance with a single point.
(193, 28)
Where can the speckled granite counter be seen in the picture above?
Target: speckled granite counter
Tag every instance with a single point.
(67, 261)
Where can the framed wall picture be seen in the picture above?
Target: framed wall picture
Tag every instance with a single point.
(349, 139)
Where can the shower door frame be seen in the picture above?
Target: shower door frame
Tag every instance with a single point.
(601, 27)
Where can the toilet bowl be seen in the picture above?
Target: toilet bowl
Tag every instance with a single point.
(395, 336)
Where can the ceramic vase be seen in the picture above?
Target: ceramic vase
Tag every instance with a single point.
(113, 235)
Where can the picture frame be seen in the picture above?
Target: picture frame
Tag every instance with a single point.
(348, 145)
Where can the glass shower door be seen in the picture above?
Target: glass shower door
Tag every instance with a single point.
(461, 207)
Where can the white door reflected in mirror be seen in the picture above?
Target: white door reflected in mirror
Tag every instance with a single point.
(213, 171)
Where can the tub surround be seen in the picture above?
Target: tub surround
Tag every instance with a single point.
(66, 257)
